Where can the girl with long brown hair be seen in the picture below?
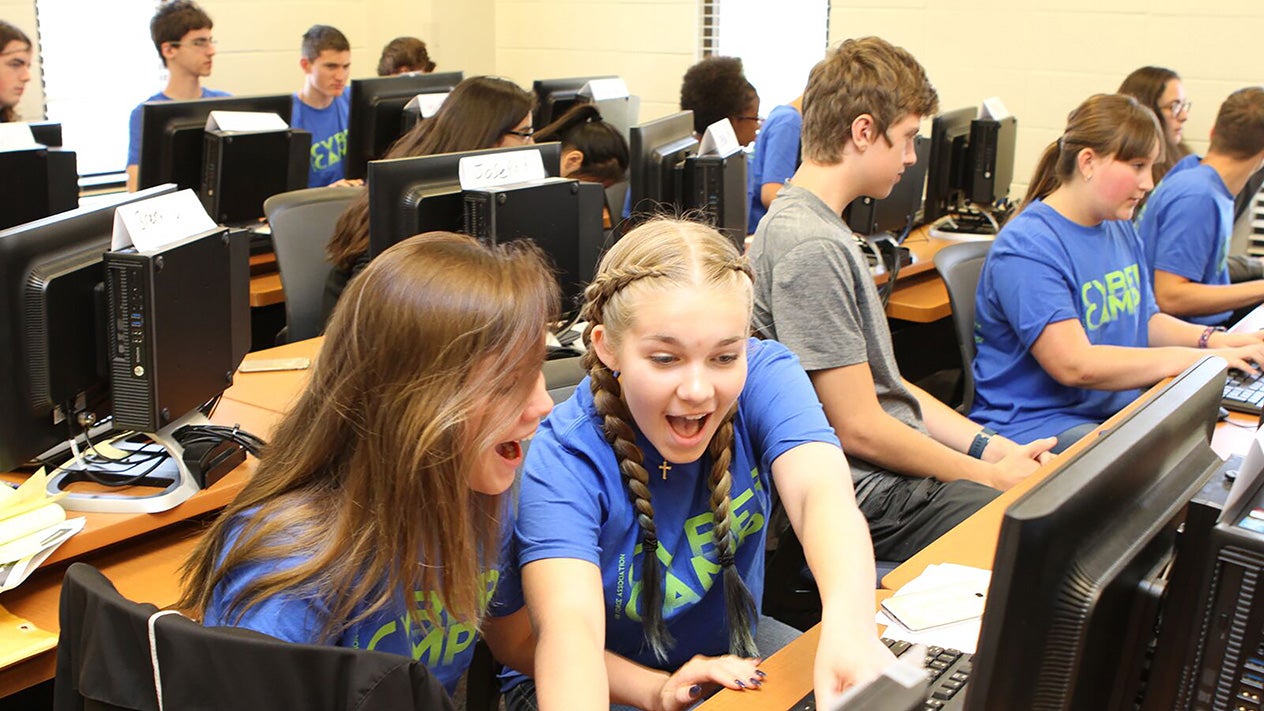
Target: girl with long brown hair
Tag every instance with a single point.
(1066, 325)
(15, 69)
(377, 517)
(1162, 91)
(645, 498)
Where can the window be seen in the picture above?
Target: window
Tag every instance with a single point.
(778, 43)
(98, 62)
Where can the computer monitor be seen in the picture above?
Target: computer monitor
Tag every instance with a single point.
(171, 143)
(897, 211)
(48, 184)
(949, 140)
(971, 162)
(1078, 576)
(377, 113)
(553, 97)
(657, 149)
(52, 311)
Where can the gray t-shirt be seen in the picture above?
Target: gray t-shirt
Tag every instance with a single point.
(814, 293)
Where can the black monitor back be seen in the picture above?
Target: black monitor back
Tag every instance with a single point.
(1070, 610)
(945, 170)
(48, 184)
(172, 135)
(554, 97)
(658, 149)
(377, 113)
(52, 310)
(46, 133)
(716, 186)
(867, 216)
(408, 196)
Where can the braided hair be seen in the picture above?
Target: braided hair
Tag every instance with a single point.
(666, 253)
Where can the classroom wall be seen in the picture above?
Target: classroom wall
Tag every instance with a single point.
(1043, 57)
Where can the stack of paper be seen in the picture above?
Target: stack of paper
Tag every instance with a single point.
(960, 635)
(32, 525)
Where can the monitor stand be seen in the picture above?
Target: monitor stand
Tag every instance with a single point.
(169, 484)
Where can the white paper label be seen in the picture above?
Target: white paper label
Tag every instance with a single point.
(719, 139)
(427, 104)
(154, 223)
(244, 121)
(993, 108)
(16, 137)
(495, 169)
(604, 89)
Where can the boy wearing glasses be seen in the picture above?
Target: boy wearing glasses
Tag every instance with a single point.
(323, 105)
(1187, 223)
(182, 35)
(919, 467)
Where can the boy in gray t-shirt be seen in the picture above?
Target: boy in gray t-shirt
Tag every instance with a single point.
(919, 467)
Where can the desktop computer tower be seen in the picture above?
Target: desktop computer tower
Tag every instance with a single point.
(49, 185)
(563, 217)
(716, 185)
(241, 170)
(991, 159)
(170, 328)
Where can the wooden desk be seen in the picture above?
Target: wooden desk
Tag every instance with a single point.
(920, 295)
(265, 281)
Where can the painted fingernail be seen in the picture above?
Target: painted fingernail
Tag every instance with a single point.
(760, 673)
(740, 683)
(755, 681)
(695, 691)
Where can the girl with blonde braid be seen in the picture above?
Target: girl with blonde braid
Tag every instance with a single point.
(645, 497)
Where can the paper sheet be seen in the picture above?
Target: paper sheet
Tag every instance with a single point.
(962, 635)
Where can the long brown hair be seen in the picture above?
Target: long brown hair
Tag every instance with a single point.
(1147, 85)
(476, 115)
(11, 33)
(667, 253)
(432, 346)
(1109, 124)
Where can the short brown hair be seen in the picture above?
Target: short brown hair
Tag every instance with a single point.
(404, 54)
(1239, 129)
(319, 38)
(862, 76)
(173, 20)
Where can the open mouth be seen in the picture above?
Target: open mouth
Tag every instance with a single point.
(510, 451)
(687, 426)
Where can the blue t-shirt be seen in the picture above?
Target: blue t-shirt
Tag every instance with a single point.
(446, 648)
(574, 504)
(328, 127)
(1187, 225)
(775, 158)
(133, 122)
(1045, 269)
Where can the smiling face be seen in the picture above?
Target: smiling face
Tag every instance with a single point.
(498, 463)
(681, 364)
(15, 72)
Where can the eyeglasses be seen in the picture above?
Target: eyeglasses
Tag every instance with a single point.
(201, 43)
(756, 119)
(1178, 107)
(523, 133)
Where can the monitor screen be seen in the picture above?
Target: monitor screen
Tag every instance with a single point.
(171, 142)
(377, 113)
(553, 97)
(1072, 602)
(658, 150)
(949, 140)
(52, 309)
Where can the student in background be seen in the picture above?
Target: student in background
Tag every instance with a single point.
(715, 89)
(1065, 321)
(775, 158)
(481, 112)
(181, 32)
(919, 467)
(1162, 91)
(592, 150)
(645, 497)
(378, 517)
(1187, 224)
(402, 55)
(15, 69)
(323, 105)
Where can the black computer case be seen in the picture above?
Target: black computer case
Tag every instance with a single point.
(242, 169)
(40, 182)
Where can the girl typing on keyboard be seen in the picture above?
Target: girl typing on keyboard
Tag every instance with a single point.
(646, 496)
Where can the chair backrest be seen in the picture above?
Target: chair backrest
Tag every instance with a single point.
(959, 266)
(302, 222)
(562, 375)
(110, 653)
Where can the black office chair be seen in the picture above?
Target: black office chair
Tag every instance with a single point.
(302, 222)
(115, 654)
(959, 265)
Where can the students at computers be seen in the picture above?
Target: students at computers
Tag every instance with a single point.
(1161, 90)
(775, 158)
(1187, 224)
(481, 112)
(918, 466)
(15, 69)
(1066, 326)
(181, 32)
(645, 497)
(377, 517)
(402, 55)
(323, 105)
(716, 88)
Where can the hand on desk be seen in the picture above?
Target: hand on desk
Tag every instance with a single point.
(1015, 462)
(346, 183)
(702, 674)
(843, 660)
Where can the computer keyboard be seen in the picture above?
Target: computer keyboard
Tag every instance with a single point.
(948, 670)
(1244, 392)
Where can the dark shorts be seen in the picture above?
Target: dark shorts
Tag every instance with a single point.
(910, 513)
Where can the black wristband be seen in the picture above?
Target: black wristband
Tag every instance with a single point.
(980, 442)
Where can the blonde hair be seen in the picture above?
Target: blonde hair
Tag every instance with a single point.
(367, 478)
(658, 255)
